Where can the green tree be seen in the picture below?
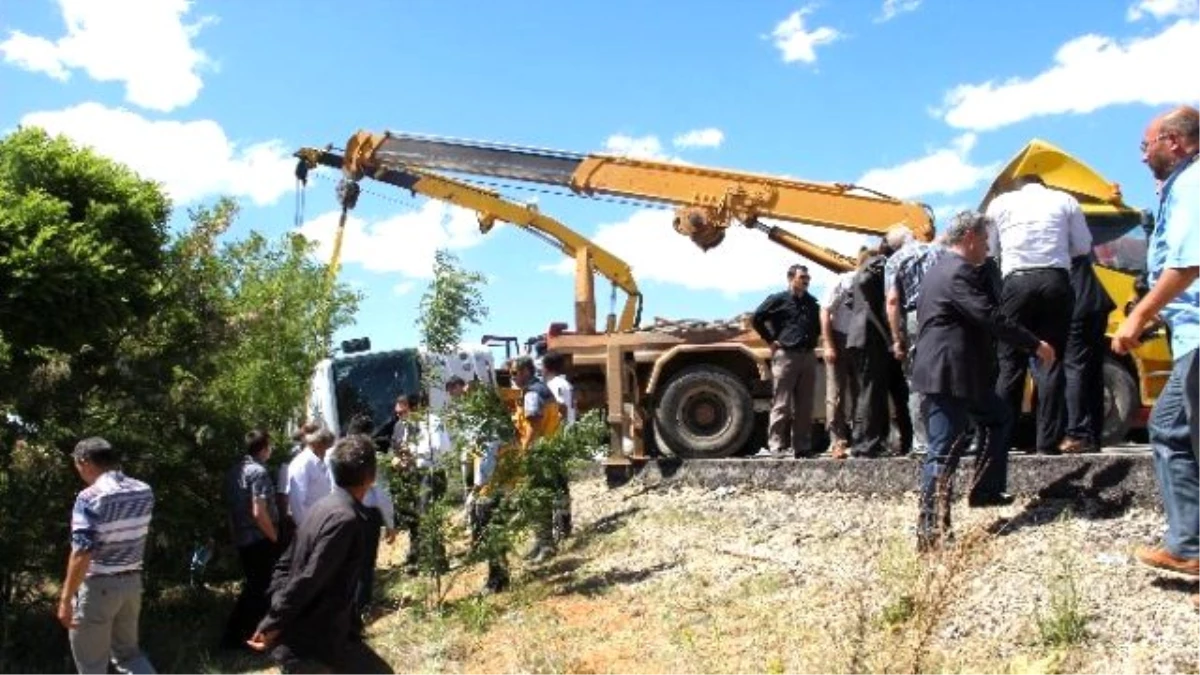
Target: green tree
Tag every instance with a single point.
(452, 300)
(171, 347)
(81, 242)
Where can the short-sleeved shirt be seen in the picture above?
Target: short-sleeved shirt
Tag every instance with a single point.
(249, 480)
(906, 268)
(564, 393)
(1175, 243)
(308, 481)
(838, 301)
(111, 519)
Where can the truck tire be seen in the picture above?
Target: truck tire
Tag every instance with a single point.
(705, 412)
(1121, 402)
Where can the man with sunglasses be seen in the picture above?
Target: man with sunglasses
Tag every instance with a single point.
(1169, 148)
(790, 322)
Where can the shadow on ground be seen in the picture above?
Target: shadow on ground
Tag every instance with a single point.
(599, 584)
(584, 536)
(1098, 497)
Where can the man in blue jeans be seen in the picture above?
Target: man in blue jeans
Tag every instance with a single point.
(1173, 259)
(955, 368)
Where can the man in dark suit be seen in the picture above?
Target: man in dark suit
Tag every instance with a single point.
(312, 591)
(1083, 360)
(958, 318)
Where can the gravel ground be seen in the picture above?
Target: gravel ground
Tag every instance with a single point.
(772, 567)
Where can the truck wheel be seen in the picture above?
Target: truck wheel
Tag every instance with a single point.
(1121, 401)
(705, 412)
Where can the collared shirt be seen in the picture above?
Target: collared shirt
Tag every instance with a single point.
(794, 321)
(111, 519)
(249, 480)
(906, 268)
(1175, 244)
(425, 436)
(308, 482)
(281, 480)
(838, 300)
(564, 393)
(1037, 227)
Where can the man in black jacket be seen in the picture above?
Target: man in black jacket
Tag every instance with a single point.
(790, 323)
(881, 375)
(312, 591)
(1083, 360)
(959, 316)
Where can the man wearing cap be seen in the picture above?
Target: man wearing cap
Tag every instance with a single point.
(102, 592)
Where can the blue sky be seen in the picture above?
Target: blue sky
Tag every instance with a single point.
(923, 99)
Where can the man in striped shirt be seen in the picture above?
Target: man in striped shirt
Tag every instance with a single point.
(102, 593)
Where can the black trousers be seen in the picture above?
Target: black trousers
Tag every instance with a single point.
(366, 582)
(869, 431)
(1083, 364)
(423, 488)
(1042, 301)
(897, 387)
(258, 559)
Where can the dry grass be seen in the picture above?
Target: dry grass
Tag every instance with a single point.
(684, 580)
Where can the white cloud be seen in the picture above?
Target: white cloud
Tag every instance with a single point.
(944, 171)
(796, 42)
(1089, 72)
(144, 44)
(700, 138)
(405, 242)
(193, 159)
(893, 8)
(1162, 9)
(404, 287)
(745, 262)
(640, 147)
(944, 212)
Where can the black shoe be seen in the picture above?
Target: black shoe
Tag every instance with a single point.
(981, 499)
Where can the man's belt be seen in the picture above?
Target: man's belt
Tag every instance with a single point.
(1031, 270)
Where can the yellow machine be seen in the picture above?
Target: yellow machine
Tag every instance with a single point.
(695, 389)
(708, 200)
(491, 207)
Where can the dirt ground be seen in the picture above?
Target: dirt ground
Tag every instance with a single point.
(687, 580)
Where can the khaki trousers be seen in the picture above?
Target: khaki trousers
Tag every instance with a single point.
(794, 375)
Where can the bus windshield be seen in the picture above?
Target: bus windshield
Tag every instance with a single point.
(370, 383)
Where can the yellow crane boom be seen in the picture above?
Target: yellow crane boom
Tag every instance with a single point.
(491, 207)
(707, 200)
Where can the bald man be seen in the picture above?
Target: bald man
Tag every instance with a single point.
(1169, 148)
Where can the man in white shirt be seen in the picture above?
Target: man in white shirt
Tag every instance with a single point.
(286, 525)
(553, 366)
(841, 386)
(308, 475)
(420, 443)
(1038, 230)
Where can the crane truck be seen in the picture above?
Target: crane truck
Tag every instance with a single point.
(692, 390)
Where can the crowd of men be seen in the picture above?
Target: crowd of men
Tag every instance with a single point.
(938, 338)
(307, 539)
(943, 332)
(1038, 264)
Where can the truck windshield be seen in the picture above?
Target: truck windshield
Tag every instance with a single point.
(1119, 242)
(370, 383)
